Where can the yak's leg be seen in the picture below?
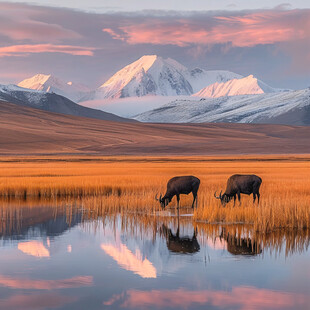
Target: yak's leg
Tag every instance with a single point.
(258, 195)
(178, 200)
(254, 197)
(234, 199)
(195, 197)
(239, 198)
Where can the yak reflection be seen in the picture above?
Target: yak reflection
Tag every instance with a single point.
(178, 244)
(240, 246)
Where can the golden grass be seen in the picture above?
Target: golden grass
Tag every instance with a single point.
(131, 184)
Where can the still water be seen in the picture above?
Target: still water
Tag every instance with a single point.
(68, 258)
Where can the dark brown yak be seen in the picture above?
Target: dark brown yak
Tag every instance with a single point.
(180, 185)
(240, 184)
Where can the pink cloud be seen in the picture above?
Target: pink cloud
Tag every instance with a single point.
(22, 24)
(265, 27)
(37, 32)
(243, 298)
(21, 50)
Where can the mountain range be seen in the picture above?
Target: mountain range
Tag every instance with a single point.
(150, 75)
(154, 89)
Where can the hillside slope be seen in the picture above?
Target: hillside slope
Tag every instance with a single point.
(53, 103)
(28, 131)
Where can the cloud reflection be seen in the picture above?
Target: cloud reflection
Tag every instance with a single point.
(242, 298)
(130, 261)
(18, 283)
(35, 301)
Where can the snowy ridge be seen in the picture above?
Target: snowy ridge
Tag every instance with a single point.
(12, 88)
(240, 109)
(200, 78)
(51, 84)
(243, 86)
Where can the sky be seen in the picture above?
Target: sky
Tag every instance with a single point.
(88, 41)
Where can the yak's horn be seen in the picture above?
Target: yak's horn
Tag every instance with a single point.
(217, 197)
(156, 197)
(221, 195)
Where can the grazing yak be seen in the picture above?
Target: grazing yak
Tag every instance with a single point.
(177, 186)
(240, 184)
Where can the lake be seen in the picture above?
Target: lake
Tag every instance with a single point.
(62, 256)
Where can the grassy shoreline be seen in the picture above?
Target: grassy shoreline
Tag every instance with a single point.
(130, 183)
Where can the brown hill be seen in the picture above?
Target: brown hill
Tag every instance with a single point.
(28, 131)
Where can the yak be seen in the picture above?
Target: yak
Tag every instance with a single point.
(240, 184)
(180, 185)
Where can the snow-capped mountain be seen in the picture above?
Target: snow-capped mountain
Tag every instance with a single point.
(149, 75)
(242, 86)
(52, 84)
(154, 75)
(291, 107)
(51, 102)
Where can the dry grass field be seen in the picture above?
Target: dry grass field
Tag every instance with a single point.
(130, 183)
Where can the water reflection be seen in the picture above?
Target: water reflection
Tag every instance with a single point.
(78, 256)
(240, 246)
(34, 248)
(29, 284)
(129, 260)
(36, 301)
(180, 244)
(243, 298)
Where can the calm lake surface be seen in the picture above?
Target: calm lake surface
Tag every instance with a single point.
(55, 257)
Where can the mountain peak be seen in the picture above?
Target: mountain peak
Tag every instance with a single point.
(50, 83)
(149, 75)
(39, 78)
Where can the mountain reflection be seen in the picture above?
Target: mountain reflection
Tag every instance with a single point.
(34, 248)
(23, 222)
(129, 260)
